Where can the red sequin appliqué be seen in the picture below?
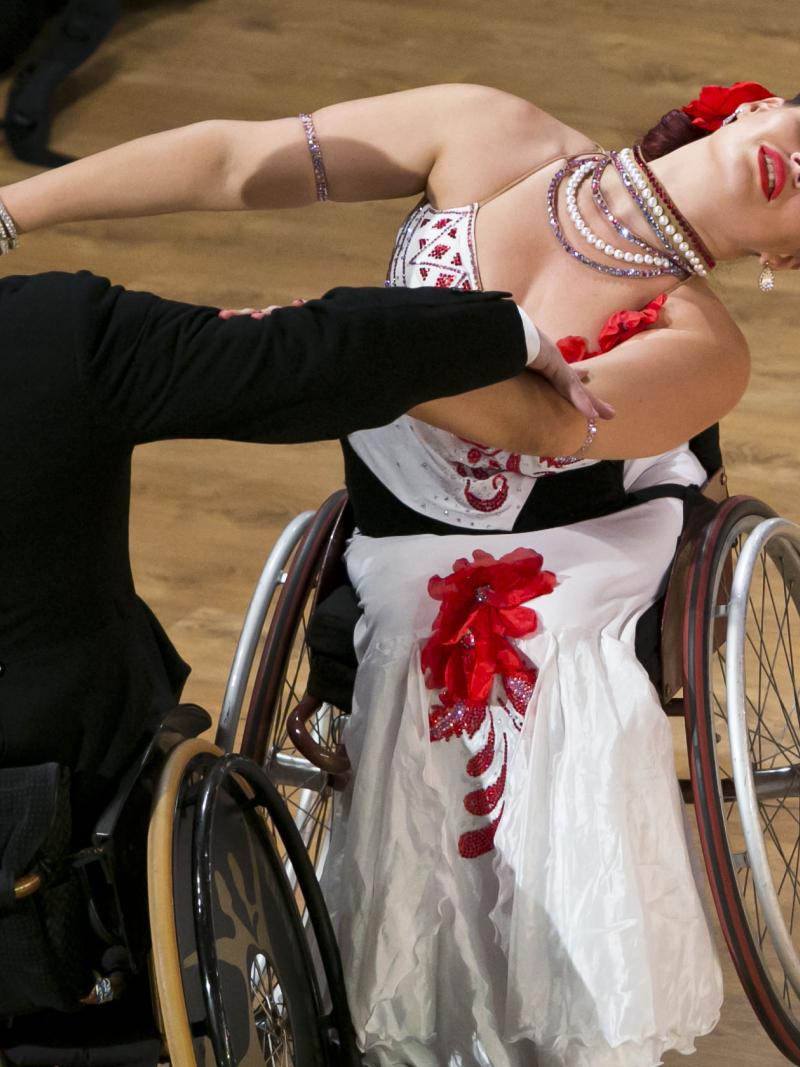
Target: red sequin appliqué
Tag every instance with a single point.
(484, 465)
(470, 647)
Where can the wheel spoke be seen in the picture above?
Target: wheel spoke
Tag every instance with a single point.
(271, 1019)
(770, 696)
(766, 662)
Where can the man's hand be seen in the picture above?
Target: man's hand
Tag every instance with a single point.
(568, 381)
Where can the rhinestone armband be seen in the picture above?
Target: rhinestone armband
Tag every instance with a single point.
(320, 177)
(8, 231)
(591, 433)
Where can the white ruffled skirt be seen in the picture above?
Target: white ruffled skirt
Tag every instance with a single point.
(579, 939)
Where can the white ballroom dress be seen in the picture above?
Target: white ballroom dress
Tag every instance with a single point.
(510, 881)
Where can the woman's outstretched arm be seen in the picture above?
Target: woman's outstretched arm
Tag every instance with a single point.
(666, 385)
(376, 148)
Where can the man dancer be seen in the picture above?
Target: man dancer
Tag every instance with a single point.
(88, 371)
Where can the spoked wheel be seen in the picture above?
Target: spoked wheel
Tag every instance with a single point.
(258, 959)
(270, 1014)
(235, 978)
(262, 1002)
(743, 730)
(280, 687)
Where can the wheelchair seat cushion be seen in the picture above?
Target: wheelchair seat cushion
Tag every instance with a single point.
(330, 641)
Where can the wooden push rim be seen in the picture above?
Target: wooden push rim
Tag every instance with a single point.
(161, 902)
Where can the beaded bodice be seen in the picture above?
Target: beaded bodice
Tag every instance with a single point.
(436, 248)
(439, 475)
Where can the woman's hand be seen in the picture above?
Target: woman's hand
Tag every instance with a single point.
(258, 313)
(568, 382)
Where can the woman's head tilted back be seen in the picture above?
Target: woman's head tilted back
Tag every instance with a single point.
(750, 163)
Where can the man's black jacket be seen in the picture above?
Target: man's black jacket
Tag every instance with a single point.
(88, 371)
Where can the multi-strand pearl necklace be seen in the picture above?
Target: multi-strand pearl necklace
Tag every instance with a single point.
(649, 255)
(678, 257)
(691, 233)
(657, 214)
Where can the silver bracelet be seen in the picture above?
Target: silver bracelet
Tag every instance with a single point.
(591, 432)
(8, 232)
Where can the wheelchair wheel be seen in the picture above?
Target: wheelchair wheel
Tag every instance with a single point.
(743, 730)
(234, 978)
(280, 686)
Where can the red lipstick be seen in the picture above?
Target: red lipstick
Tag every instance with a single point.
(772, 171)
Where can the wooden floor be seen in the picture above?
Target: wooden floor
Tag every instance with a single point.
(205, 515)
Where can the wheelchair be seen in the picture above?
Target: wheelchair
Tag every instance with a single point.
(233, 959)
(725, 664)
(180, 913)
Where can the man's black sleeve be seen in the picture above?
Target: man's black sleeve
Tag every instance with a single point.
(155, 369)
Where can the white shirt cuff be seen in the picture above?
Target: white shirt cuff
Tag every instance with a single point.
(531, 336)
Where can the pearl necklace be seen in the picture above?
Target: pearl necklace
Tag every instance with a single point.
(627, 268)
(679, 255)
(655, 211)
(649, 256)
(692, 236)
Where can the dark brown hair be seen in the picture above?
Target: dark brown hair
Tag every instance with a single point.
(674, 130)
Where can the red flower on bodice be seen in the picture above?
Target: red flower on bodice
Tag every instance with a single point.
(618, 328)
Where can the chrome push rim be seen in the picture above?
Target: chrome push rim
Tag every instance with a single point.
(764, 736)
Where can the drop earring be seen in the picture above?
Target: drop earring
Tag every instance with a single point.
(766, 279)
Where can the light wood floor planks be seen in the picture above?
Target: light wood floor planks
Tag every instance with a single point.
(205, 515)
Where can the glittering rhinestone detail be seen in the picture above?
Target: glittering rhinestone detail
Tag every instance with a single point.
(649, 255)
(320, 177)
(433, 245)
(8, 231)
(691, 233)
(654, 210)
(633, 271)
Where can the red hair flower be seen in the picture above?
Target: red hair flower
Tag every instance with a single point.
(716, 102)
(481, 608)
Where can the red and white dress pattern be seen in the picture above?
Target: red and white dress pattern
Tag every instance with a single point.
(445, 477)
(442, 476)
(436, 248)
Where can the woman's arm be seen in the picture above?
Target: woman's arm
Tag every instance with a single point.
(376, 148)
(666, 385)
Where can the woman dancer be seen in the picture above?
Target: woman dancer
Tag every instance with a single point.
(511, 883)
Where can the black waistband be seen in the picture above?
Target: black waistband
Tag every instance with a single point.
(555, 500)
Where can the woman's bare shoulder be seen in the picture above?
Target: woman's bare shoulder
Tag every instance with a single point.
(492, 138)
(696, 308)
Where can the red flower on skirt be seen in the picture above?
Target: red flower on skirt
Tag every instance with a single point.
(482, 606)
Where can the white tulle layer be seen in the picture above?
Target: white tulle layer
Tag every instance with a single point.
(581, 939)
